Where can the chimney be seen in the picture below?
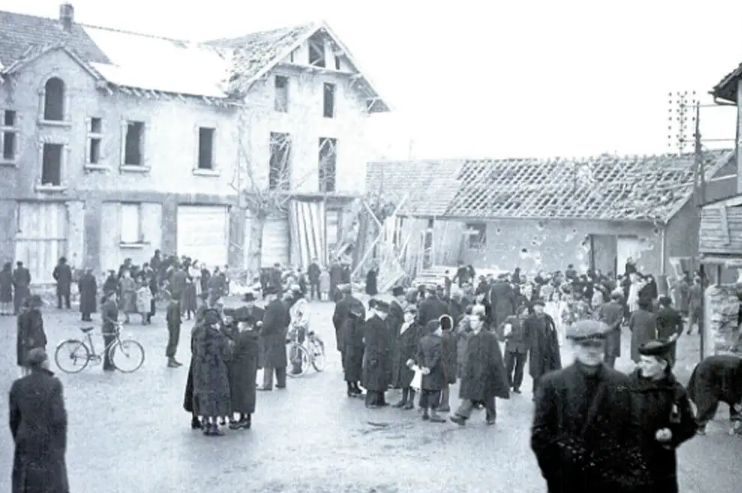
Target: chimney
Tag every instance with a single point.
(66, 16)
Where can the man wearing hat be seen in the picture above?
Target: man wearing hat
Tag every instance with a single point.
(341, 311)
(663, 414)
(582, 420)
(543, 343)
(21, 283)
(273, 340)
(31, 332)
(252, 310)
(349, 320)
(38, 424)
(432, 307)
(375, 364)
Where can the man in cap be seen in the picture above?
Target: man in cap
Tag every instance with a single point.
(375, 364)
(273, 336)
(716, 379)
(543, 343)
(582, 420)
(38, 424)
(432, 307)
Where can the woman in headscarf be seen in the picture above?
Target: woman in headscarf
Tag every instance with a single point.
(662, 411)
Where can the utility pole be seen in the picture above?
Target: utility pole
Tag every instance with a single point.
(699, 190)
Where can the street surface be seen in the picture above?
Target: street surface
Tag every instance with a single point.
(129, 433)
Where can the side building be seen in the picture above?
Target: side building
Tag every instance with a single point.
(108, 154)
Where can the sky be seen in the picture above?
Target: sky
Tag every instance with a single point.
(492, 79)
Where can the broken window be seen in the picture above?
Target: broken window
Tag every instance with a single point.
(8, 136)
(133, 144)
(328, 100)
(337, 63)
(281, 98)
(279, 173)
(327, 164)
(206, 148)
(476, 235)
(95, 135)
(54, 100)
(316, 53)
(131, 223)
(51, 165)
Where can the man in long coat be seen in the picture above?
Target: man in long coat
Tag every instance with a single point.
(336, 279)
(543, 343)
(21, 283)
(375, 364)
(31, 334)
(38, 424)
(257, 314)
(611, 314)
(351, 317)
(63, 275)
(432, 308)
(483, 377)
(273, 340)
(211, 354)
(669, 325)
(502, 300)
(716, 379)
(88, 287)
(243, 368)
(394, 321)
(582, 427)
(342, 310)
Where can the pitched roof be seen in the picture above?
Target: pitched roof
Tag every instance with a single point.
(727, 87)
(427, 187)
(219, 69)
(609, 188)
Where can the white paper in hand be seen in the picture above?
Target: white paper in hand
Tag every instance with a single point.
(508, 329)
(417, 380)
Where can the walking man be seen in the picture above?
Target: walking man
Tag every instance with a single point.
(174, 322)
(63, 275)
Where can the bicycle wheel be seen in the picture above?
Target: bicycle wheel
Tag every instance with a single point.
(298, 355)
(127, 355)
(318, 355)
(74, 353)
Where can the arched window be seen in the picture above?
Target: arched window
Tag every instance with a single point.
(54, 100)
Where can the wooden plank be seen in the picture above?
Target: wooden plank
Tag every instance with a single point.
(725, 225)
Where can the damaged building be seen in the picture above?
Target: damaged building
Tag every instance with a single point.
(594, 213)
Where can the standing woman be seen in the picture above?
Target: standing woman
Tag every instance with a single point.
(6, 289)
(128, 288)
(663, 414)
(31, 333)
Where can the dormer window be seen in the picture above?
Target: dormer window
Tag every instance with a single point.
(54, 100)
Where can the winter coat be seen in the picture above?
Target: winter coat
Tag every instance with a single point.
(63, 275)
(30, 334)
(21, 282)
(394, 323)
(543, 345)
(6, 286)
(88, 288)
(450, 354)
(340, 316)
(211, 353)
(643, 325)
(430, 355)
(243, 368)
(669, 323)
(188, 404)
(351, 336)
(371, 278)
(276, 320)
(502, 300)
(376, 341)
(128, 295)
(515, 341)
(582, 432)
(611, 314)
(405, 349)
(38, 425)
(257, 313)
(658, 404)
(144, 299)
(431, 308)
(463, 333)
(483, 376)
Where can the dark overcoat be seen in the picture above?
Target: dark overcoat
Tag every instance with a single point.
(658, 404)
(716, 378)
(430, 355)
(88, 287)
(450, 356)
(394, 322)
(612, 315)
(502, 300)
(586, 446)
(371, 278)
(6, 286)
(257, 313)
(339, 316)
(431, 308)
(543, 345)
(63, 275)
(211, 353)
(483, 375)
(30, 334)
(669, 323)
(351, 337)
(276, 321)
(643, 326)
(188, 403)
(243, 368)
(515, 341)
(405, 349)
(21, 283)
(376, 340)
(38, 424)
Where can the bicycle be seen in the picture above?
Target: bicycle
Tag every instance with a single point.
(82, 354)
(311, 353)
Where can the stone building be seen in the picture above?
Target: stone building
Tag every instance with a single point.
(116, 144)
(545, 214)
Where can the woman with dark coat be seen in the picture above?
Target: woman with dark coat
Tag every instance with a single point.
(371, 281)
(31, 332)
(243, 368)
(188, 404)
(6, 289)
(38, 424)
(663, 414)
(376, 339)
(88, 287)
(404, 350)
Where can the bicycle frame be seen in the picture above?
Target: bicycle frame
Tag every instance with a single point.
(93, 354)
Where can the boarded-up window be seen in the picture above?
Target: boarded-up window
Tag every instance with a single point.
(476, 235)
(279, 173)
(281, 98)
(206, 148)
(131, 223)
(51, 166)
(327, 164)
(328, 100)
(54, 100)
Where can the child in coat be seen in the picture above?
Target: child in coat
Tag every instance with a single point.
(430, 359)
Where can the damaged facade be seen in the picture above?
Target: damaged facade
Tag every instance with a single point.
(109, 154)
(545, 214)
